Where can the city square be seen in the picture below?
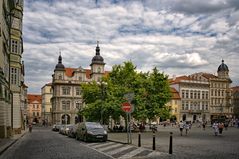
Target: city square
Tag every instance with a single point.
(119, 79)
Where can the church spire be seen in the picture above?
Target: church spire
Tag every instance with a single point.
(97, 50)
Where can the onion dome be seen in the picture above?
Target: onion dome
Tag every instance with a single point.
(97, 59)
(222, 67)
(60, 66)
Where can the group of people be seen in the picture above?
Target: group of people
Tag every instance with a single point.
(184, 125)
(218, 127)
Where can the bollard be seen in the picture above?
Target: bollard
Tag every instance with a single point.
(171, 143)
(153, 140)
(139, 140)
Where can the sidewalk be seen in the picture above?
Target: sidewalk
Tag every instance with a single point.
(7, 142)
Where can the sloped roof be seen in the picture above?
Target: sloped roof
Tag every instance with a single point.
(235, 89)
(175, 94)
(34, 97)
(208, 75)
(70, 72)
(179, 79)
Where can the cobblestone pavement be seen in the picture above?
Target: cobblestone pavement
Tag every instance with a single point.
(42, 143)
(197, 144)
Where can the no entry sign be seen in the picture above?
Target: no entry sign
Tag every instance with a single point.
(126, 107)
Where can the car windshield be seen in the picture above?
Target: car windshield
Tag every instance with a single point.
(92, 126)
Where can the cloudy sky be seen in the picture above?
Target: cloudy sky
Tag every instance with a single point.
(179, 37)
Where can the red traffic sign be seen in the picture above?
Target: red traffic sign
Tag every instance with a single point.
(126, 107)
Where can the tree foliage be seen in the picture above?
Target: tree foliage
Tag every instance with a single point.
(151, 92)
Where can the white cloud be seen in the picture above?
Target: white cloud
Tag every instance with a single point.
(176, 37)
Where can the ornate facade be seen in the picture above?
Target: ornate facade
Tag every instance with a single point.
(66, 87)
(34, 108)
(204, 96)
(12, 88)
(46, 93)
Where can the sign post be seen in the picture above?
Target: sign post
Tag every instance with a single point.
(128, 108)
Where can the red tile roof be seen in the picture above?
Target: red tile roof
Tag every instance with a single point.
(69, 71)
(235, 89)
(175, 94)
(179, 79)
(34, 97)
(208, 75)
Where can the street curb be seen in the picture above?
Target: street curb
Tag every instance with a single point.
(7, 145)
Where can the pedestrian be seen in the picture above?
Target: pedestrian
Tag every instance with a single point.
(215, 128)
(204, 125)
(30, 127)
(187, 126)
(181, 126)
(220, 127)
(226, 125)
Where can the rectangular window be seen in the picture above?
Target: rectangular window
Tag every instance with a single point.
(198, 94)
(78, 91)
(195, 95)
(14, 46)
(37, 113)
(14, 73)
(65, 105)
(183, 105)
(191, 94)
(66, 90)
(183, 94)
(34, 114)
(203, 95)
(186, 93)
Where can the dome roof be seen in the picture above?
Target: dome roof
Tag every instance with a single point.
(97, 59)
(60, 66)
(222, 67)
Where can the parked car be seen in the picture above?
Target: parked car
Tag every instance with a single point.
(72, 131)
(91, 131)
(56, 127)
(64, 129)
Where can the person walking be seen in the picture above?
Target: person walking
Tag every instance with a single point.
(30, 127)
(204, 125)
(220, 127)
(215, 127)
(187, 126)
(181, 126)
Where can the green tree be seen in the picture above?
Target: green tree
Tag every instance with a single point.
(151, 91)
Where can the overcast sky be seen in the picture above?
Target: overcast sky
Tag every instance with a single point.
(179, 37)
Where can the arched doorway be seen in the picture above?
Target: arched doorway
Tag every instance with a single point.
(78, 119)
(184, 117)
(194, 118)
(65, 119)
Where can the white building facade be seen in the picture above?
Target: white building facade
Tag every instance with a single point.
(66, 88)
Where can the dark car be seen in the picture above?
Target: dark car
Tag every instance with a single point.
(72, 131)
(91, 131)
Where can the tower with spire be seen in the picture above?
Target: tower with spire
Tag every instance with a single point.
(97, 65)
(223, 71)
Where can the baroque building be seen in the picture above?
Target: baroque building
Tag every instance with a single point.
(34, 108)
(17, 66)
(66, 88)
(235, 101)
(194, 98)
(204, 96)
(11, 68)
(175, 104)
(46, 93)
